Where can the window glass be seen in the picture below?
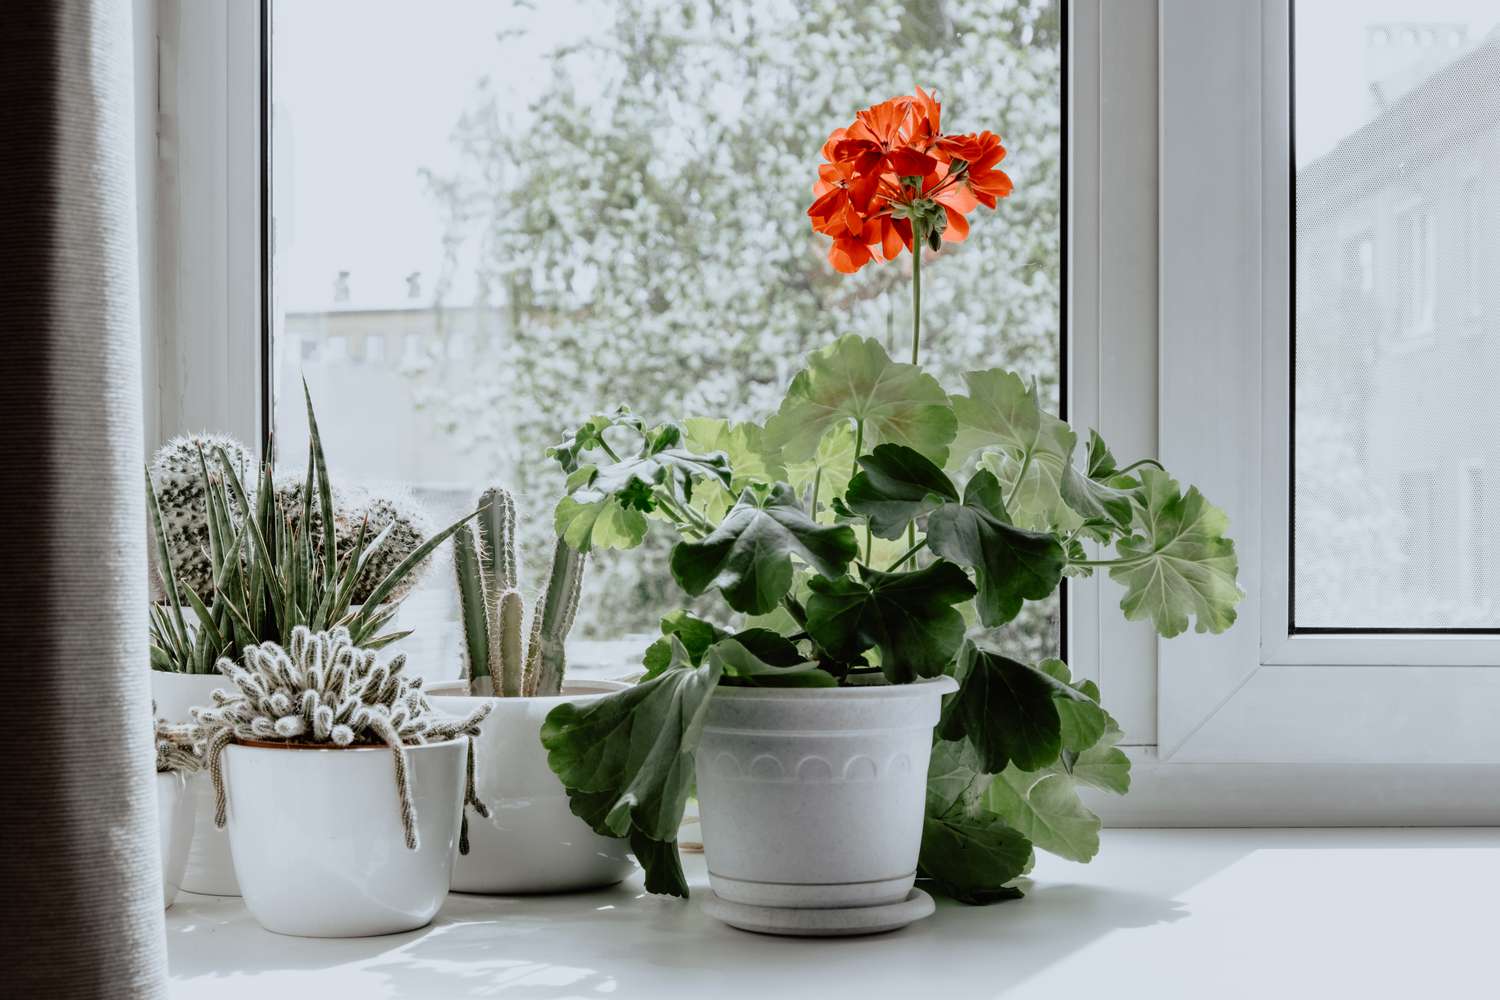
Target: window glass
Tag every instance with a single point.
(1397, 155)
(528, 213)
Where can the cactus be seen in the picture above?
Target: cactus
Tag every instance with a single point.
(277, 561)
(495, 660)
(178, 747)
(323, 689)
(183, 497)
(356, 509)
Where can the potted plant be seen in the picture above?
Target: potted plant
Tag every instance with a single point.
(239, 563)
(303, 753)
(530, 841)
(873, 540)
(177, 760)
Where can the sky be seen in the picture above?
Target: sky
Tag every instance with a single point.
(366, 94)
(1332, 92)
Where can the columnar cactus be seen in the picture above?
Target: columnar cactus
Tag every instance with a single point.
(495, 660)
(322, 689)
(177, 475)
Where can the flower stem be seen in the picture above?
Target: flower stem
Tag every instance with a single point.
(918, 239)
(918, 547)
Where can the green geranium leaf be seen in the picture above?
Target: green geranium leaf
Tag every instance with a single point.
(604, 524)
(1027, 449)
(909, 617)
(1083, 720)
(590, 436)
(749, 555)
(831, 468)
(897, 486)
(955, 781)
(1045, 808)
(854, 380)
(750, 459)
(694, 634)
(1007, 710)
(1098, 503)
(1012, 565)
(743, 668)
(972, 858)
(1177, 563)
(639, 474)
(1103, 766)
(626, 760)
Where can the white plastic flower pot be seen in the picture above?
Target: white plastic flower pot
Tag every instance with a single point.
(317, 839)
(532, 842)
(209, 868)
(174, 824)
(813, 798)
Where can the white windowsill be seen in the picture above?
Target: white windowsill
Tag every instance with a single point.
(1160, 914)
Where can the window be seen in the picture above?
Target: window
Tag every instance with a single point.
(1416, 267)
(1385, 516)
(567, 206)
(1472, 266)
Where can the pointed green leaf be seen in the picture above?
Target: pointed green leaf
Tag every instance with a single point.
(1178, 562)
(749, 555)
(854, 380)
(1011, 565)
(897, 486)
(910, 617)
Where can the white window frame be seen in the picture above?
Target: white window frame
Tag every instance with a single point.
(1178, 189)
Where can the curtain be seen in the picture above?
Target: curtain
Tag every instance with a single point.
(81, 914)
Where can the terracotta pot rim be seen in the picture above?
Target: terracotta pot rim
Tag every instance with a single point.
(380, 747)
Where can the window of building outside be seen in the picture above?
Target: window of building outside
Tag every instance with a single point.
(555, 209)
(1394, 418)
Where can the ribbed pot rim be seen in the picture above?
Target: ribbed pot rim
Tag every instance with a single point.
(324, 748)
(921, 688)
(597, 689)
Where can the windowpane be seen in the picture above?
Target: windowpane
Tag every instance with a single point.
(492, 220)
(1397, 163)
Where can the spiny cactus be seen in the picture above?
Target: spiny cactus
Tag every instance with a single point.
(322, 689)
(178, 747)
(182, 495)
(493, 610)
(356, 508)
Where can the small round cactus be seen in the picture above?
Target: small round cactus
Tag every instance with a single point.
(322, 689)
(177, 477)
(352, 507)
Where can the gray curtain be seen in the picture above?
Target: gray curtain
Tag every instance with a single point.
(80, 896)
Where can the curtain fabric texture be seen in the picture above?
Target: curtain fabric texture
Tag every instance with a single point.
(79, 866)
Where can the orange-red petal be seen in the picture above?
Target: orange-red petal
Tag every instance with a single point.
(958, 226)
(848, 256)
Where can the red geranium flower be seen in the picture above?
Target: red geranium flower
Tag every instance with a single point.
(892, 177)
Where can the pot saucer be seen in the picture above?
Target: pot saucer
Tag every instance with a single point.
(840, 922)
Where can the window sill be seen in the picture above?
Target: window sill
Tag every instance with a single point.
(1159, 913)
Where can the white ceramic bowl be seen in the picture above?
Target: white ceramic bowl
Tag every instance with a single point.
(532, 842)
(174, 825)
(317, 839)
(814, 797)
(209, 867)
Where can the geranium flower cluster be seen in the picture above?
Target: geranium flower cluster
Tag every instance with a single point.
(893, 177)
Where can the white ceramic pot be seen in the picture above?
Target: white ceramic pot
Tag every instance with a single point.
(532, 842)
(813, 798)
(317, 839)
(174, 825)
(209, 868)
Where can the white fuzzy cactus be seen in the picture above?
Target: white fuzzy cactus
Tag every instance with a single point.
(178, 747)
(322, 689)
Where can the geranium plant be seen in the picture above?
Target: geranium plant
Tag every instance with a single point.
(878, 529)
